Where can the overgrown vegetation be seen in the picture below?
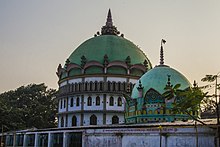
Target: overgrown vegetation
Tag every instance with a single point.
(28, 106)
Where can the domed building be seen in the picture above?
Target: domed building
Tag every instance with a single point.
(95, 77)
(147, 103)
(94, 89)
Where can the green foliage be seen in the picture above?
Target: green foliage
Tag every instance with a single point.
(171, 91)
(210, 101)
(28, 106)
(211, 79)
(190, 100)
(185, 100)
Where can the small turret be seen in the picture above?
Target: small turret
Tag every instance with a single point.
(168, 81)
(140, 90)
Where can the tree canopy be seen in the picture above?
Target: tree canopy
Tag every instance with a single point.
(28, 106)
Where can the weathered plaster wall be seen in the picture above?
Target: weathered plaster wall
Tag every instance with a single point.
(145, 135)
(150, 137)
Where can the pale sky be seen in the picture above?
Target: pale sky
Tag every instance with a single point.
(37, 35)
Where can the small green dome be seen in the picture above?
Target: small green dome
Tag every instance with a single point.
(157, 78)
(115, 47)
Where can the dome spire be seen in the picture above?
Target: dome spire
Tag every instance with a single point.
(109, 28)
(109, 19)
(161, 52)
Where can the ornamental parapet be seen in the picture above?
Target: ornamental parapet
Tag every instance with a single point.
(99, 87)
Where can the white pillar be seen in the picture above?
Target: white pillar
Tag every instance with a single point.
(36, 140)
(25, 140)
(14, 139)
(49, 140)
(84, 138)
(65, 135)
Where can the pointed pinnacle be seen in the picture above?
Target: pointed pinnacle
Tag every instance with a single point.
(161, 52)
(109, 19)
(109, 28)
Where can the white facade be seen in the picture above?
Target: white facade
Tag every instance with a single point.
(116, 79)
(91, 104)
(93, 79)
(77, 80)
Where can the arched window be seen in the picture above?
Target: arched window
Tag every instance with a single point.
(119, 86)
(96, 85)
(86, 86)
(61, 104)
(124, 86)
(76, 85)
(100, 86)
(74, 121)
(64, 103)
(90, 85)
(89, 101)
(113, 86)
(72, 87)
(115, 119)
(93, 120)
(71, 102)
(97, 101)
(109, 85)
(119, 101)
(80, 86)
(62, 122)
(111, 103)
(77, 101)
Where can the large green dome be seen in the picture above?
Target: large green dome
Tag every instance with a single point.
(115, 47)
(157, 78)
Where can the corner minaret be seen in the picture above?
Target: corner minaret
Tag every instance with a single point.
(161, 52)
(109, 28)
